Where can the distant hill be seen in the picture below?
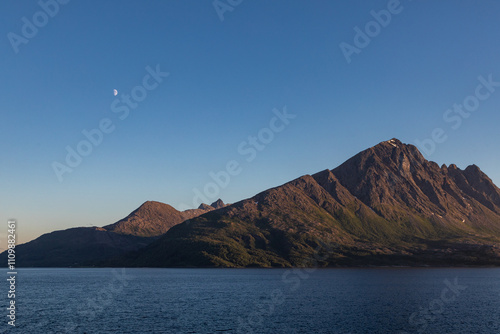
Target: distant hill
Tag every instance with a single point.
(387, 205)
(90, 246)
(152, 219)
(75, 247)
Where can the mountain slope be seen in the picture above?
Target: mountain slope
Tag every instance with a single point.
(81, 246)
(400, 185)
(89, 246)
(152, 218)
(386, 205)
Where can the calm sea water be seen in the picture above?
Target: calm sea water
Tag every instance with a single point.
(344, 301)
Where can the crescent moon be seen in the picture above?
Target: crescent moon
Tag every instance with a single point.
(115, 92)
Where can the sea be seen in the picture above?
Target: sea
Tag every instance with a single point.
(343, 301)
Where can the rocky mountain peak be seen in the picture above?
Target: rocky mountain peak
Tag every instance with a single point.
(473, 169)
(218, 204)
(204, 206)
(152, 219)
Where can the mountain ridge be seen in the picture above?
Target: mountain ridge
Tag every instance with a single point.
(89, 246)
(386, 205)
(153, 218)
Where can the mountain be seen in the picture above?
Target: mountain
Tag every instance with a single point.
(75, 247)
(218, 204)
(89, 246)
(400, 185)
(386, 205)
(152, 219)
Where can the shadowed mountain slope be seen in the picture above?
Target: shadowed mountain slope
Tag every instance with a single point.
(385, 206)
(152, 219)
(75, 247)
(89, 246)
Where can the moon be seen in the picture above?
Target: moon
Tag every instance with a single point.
(115, 92)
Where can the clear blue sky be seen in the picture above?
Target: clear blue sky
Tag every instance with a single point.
(225, 79)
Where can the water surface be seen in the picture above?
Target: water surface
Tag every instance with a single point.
(344, 301)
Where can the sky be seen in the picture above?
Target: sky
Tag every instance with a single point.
(226, 99)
